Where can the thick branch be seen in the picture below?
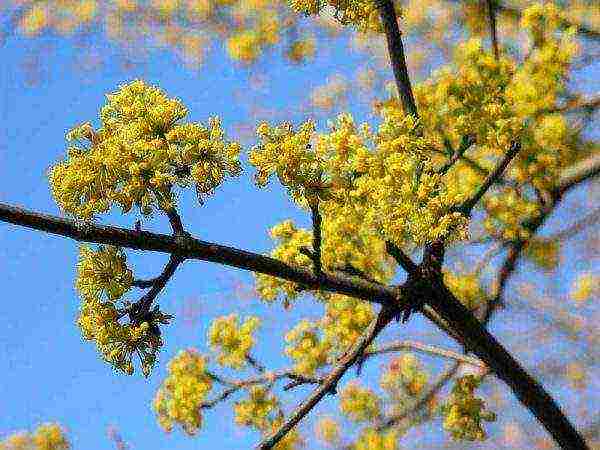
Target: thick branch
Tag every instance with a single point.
(331, 380)
(188, 247)
(401, 258)
(484, 345)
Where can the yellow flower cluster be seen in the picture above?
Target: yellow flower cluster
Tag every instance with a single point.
(246, 45)
(328, 431)
(139, 154)
(257, 410)
(404, 379)
(466, 287)
(306, 348)
(361, 13)
(371, 439)
(585, 286)
(289, 240)
(506, 212)
(301, 50)
(408, 202)
(179, 398)
(359, 404)
(314, 344)
(345, 319)
(105, 272)
(231, 340)
(464, 413)
(49, 436)
(71, 15)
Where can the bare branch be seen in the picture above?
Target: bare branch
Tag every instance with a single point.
(331, 380)
(316, 225)
(254, 363)
(491, 4)
(265, 378)
(397, 58)
(400, 346)
(188, 247)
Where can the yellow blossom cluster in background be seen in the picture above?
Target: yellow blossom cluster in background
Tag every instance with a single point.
(359, 404)
(585, 286)
(139, 154)
(466, 287)
(48, 436)
(371, 439)
(306, 347)
(232, 340)
(464, 412)
(179, 398)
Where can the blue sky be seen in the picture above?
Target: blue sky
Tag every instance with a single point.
(47, 372)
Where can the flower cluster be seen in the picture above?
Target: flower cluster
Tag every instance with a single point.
(102, 279)
(363, 14)
(345, 320)
(139, 154)
(48, 436)
(404, 378)
(232, 340)
(359, 404)
(543, 252)
(257, 410)
(179, 398)
(328, 431)
(466, 287)
(585, 286)
(306, 348)
(464, 412)
(103, 272)
(371, 439)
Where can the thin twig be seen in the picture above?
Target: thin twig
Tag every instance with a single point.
(316, 225)
(254, 363)
(331, 380)
(423, 400)
(493, 31)
(468, 205)
(400, 346)
(465, 144)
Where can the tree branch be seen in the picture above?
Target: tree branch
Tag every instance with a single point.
(188, 247)
(397, 58)
(468, 205)
(400, 346)
(493, 31)
(331, 380)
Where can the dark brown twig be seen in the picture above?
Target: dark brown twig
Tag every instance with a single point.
(468, 205)
(397, 58)
(491, 4)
